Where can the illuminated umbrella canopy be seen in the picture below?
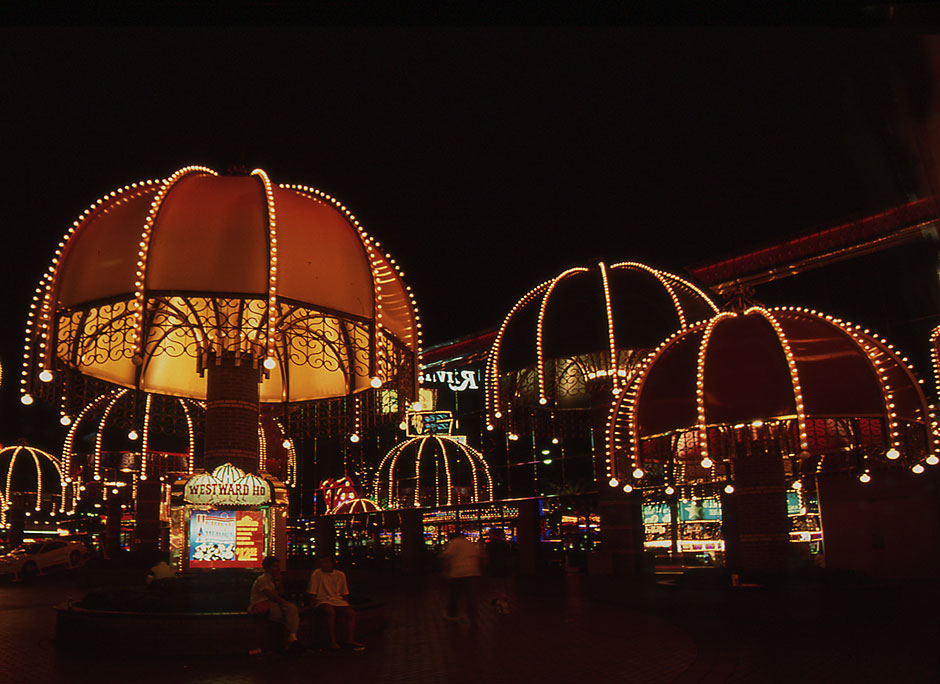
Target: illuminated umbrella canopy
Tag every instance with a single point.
(159, 278)
(584, 327)
(815, 387)
(31, 473)
(433, 470)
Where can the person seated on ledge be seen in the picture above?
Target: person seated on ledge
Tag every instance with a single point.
(329, 593)
(162, 570)
(266, 599)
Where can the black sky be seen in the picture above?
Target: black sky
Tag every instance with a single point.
(485, 160)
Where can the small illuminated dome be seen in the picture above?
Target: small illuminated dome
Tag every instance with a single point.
(360, 505)
(433, 470)
(810, 384)
(33, 473)
(157, 279)
(586, 326)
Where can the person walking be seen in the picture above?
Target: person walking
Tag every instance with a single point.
(462, 563)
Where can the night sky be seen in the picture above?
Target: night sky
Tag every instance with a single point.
(485, 160)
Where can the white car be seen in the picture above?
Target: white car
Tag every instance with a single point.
(33, 557)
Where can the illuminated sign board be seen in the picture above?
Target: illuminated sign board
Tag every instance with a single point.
(429, 423)
(226, 539)
(227, 486)
(455, 380)
(695, 509)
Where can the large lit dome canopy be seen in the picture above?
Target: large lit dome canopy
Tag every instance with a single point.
(585, 324)
(157, 279)
(433, 470)
(819, 388)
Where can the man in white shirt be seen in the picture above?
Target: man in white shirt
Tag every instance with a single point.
(328, 592)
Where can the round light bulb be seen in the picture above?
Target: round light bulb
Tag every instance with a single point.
(46, 376)
(707, 462)
(864, 477)
(489, 428)
(892, 454)
(638, 473)
(614, 482)
(543, 401)
(417, 407)
(26, 399)
(269, 363)
(65, 420)
(286, 443)
(554, 440)
(798, 485)
(404, 426)
(376, 382)
(628, 488)
(670, 490)
(354, 438)
(917, 469)
(933, 460)
(132, 435)
(729, 489)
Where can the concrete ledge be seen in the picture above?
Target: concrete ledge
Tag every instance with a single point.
(85, 630)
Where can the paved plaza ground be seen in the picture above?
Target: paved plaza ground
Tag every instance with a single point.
(565, 628)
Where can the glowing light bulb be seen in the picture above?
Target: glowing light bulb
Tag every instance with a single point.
(270, 363)
(354, 438)
(628, 488)
(917, 469)
(729, 489)
(864, 477)
(614, 482)
(46, 376)
(707, 462)
(554, 440)
(498, 415)
(417, 407)
(26, 399)
(376, 382)
(933, 460)
(65, 420)
(286, 443)
(638, 473)
(798, 485)
(892, 454)
(488, 427)
(543, 401)
(670, 490)
(404, 426)
(132, 435)
(513, 436)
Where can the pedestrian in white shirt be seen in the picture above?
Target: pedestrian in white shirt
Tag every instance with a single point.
(329, 593)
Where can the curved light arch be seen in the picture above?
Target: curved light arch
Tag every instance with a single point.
(539, 350)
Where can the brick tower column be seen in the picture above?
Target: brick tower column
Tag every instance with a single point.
(759, 528)
(232, 407)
